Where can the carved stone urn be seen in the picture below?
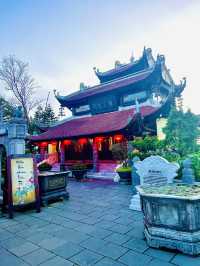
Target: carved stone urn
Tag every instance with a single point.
(172, 216)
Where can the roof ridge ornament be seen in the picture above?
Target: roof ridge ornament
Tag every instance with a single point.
(137, 106)
(56, 93)
(96, 70)
(132, 58)
(117, 64)
(160, 59)
(82, 86)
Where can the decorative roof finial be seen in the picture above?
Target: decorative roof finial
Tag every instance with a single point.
(117, 64)
(160, 59)
(82, 86)
(137, 106)
(96, 70)
(55, 92)
(132, 57)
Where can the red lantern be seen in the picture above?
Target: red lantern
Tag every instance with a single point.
(67, 142)
(82, 141)
(98, 139)
(118, 138)
(43, 144)
(53, 142)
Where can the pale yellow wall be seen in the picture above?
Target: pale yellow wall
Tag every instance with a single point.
(161, 124)
(51, 148)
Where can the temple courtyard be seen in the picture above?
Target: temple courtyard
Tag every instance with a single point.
(93, 227)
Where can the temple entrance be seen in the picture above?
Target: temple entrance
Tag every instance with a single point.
(80, 150)
(105, 150)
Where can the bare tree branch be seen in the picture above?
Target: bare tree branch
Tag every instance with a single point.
(15, 75)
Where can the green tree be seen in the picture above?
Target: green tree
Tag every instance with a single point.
(48, 115)
(43, 117)
(6, 108)
(182, 131)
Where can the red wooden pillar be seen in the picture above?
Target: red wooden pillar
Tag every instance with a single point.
(43, 147)
(62, 152)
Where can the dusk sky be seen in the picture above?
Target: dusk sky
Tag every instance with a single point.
(63, 40)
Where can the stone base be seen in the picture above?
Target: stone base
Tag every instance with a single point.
(1, 199)
(46, 198)
(135, 203)
(186, 242)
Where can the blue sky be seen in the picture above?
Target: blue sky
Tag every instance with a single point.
(63, 40)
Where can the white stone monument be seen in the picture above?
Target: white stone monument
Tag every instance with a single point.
(154, 170)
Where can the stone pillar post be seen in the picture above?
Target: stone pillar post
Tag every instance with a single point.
(95, 157)
(1, 192)
(62, 156)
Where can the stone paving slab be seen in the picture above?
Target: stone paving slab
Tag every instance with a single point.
(137, 245)
(132, 258)
(108, 262)
(117, 239)
(57, 261)
(9, 259)
(51, 243)
(93, 227)
(160, 254)
(183, 260)
(67, 250)
(86, 258)
(38, 256)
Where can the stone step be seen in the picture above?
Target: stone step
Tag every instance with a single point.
(108, 167)
(101, 175)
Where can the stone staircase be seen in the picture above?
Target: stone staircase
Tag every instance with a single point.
(106, 171)
(101, 175)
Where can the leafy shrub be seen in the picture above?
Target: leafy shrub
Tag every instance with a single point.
(123, 169)
(195, 157)
(120, 152)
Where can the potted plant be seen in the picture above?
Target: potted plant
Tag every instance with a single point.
(79, 170)
(120, 154)
(44, 167)
(124, 173)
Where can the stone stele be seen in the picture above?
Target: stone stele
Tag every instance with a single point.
(154, 170)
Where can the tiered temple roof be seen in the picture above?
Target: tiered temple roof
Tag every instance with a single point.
(146, 78)
(93, 125)
(105, 87)
(122, 70)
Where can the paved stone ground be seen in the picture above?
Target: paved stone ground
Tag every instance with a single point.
(94, 227)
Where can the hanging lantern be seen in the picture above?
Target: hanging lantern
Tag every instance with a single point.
(53, 143)
(43, 144)
(98, 141)
(82, 141)
(118, 138)
(67, 142)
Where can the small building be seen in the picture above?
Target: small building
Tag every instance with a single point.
(126, 104)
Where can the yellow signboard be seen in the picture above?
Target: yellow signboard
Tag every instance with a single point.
(23, 181)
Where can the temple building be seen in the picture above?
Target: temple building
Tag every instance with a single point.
(126, 104)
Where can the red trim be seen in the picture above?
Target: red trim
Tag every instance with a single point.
(108, 86)
(93, 125)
